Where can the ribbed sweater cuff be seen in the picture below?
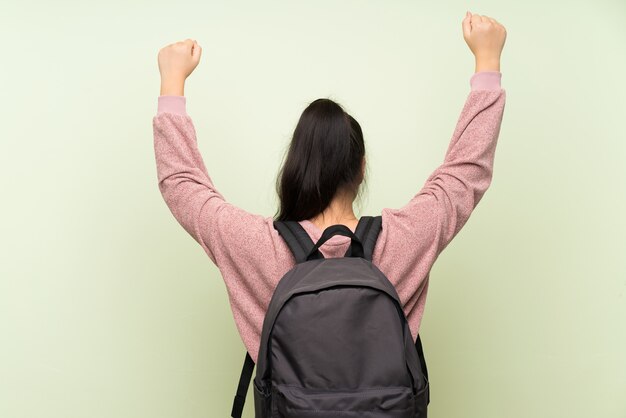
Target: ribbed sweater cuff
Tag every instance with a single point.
(486, 80)
(172, 104)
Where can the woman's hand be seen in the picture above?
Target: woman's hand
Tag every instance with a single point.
(485, 37)
(176, 62)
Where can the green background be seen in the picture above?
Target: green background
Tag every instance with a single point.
(109, 309)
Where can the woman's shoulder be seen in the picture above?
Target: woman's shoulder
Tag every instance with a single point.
(406, 247)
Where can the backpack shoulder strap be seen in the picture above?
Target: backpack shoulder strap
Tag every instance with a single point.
(367, 230)
(242, 388)
(420, 353)
(300, 244)
(298, 240)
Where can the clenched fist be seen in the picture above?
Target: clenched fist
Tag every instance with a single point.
(176, 62)
(485, 37)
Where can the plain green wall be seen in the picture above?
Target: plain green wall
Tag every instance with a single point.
(109, 309)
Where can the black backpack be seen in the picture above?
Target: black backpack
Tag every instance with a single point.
(335, 341)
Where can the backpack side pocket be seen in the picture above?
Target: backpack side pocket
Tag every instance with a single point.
(421, 401)
(261, 402)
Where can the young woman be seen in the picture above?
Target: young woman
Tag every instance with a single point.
(321, 177)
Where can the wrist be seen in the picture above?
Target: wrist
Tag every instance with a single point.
(487, 64)
(172, 87)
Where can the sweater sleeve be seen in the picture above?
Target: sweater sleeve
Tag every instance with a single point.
(192, 197)
(453, 190)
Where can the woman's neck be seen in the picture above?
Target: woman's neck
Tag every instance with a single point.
(338, 212)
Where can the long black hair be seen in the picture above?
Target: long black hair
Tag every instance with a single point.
(324, 157)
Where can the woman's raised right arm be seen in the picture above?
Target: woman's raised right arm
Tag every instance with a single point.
(433, 217)
(459, 183)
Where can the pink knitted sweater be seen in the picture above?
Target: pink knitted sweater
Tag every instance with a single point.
(251, 255)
